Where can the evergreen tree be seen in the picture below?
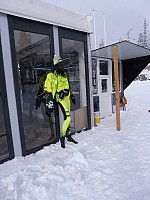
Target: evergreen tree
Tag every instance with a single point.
(143, 39)
(145, 34)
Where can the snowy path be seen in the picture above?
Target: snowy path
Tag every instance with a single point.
(105, 165)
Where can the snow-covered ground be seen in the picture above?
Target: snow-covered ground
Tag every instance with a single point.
(105, 165)
(146, 73)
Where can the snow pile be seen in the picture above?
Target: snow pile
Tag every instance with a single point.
(105, 165)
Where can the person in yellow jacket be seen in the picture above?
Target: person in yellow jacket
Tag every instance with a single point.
(57, 89)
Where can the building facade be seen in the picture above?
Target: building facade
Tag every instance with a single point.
(31, 32)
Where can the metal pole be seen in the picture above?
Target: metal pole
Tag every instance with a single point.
(104, 29)
(94, 28)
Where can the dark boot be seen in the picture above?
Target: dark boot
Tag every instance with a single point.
(62, 142)
(70, 139)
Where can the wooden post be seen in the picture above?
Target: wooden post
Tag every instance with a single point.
(115, 52)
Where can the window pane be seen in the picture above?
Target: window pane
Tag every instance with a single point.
(94, 75)
(104, 85)
(103, 65)
(113, 77)
(33, 56)
(73, 55)
(3, 137)
(96, 103)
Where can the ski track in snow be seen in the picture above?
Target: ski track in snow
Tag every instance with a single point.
(105, 165)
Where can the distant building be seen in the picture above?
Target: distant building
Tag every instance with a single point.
(132, 59)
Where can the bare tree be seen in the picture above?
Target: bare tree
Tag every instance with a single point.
(140, 39)
(101, 44)
(24, 40)
(121, 39)
(128, 38)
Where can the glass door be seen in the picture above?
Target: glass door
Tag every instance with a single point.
(33, 60)
(105, 88)
(32, 49)
(73, 48)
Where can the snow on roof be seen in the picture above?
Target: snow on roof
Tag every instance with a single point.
(126, 50)
(44, 12)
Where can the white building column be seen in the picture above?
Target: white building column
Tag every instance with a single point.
(6, 51)
(56, 40)
(90, 80)
(57, 52)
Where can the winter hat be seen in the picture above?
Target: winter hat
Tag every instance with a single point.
(56, 60)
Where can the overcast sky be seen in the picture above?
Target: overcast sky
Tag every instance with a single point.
(120, 17)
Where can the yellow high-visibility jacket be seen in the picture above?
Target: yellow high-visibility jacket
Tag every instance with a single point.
(54, 83)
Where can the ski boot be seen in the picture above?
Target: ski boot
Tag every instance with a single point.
(70, 139)
(62, 142)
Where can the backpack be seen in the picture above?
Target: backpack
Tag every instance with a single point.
(41, 93)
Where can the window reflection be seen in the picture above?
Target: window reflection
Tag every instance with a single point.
(33, 56)
(103, 65)
(94, 75)
(104, 85)
(3, 136)
(73, 55)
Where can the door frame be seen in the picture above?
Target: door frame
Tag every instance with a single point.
(17, 23)
(5, 109)
(82, 37)
(109, 86)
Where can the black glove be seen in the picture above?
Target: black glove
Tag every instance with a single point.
(49, 102)
(63, 93)
(66, 92)
(50, 105)
(73, 99)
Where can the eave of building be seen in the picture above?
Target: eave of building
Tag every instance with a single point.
(126, 50)
(50, 14)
